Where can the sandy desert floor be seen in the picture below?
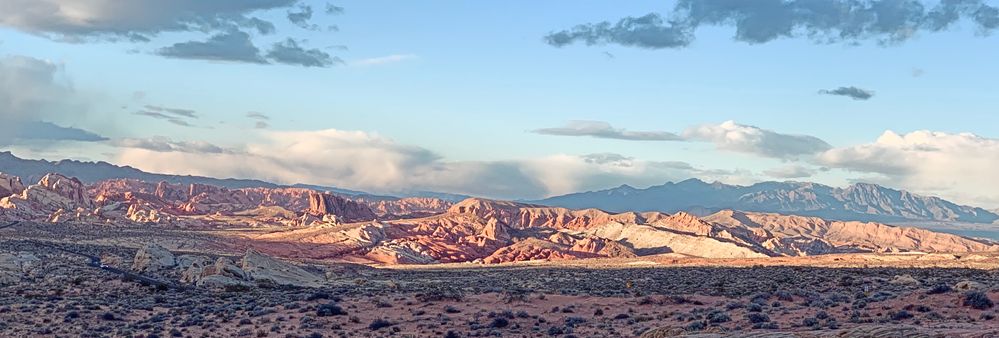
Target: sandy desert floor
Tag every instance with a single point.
(835, 296)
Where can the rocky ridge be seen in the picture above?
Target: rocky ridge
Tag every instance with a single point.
(478, 230)
(861, 201)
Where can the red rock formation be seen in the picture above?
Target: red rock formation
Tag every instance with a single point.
(54, 196)
(522, 216)
(10, 185)
(345, 210)
(70, 188)
(170, 192)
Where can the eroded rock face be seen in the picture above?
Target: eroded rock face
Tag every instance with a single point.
(402, 252)
(346, 211)
(10, 185)
(266, 270)
(153, 257)
(54, 193)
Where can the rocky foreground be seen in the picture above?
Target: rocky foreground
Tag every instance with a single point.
(49, 289)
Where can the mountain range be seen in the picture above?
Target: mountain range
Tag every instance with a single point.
(93, 172)
(859, 202)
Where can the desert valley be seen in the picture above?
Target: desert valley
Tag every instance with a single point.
(517, 168)
(205, 260)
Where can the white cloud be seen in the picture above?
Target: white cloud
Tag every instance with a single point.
(754, 140)
(790, 171)
(384, 60)
(961, 167)
(77, 20)
(34, 94)
(369, 162)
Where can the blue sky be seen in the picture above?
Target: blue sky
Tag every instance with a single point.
(457, 90)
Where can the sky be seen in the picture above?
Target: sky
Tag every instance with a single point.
(512, 99)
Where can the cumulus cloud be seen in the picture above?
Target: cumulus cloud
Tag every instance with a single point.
(600, 129)
(956, 166)
(136, 20)
(851, 92)
(33, 93)
(754, 140)
(232, 46)
(790, 171)
(823, 21)
(369, 162)
(290, 52)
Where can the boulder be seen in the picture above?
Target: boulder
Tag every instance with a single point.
(200, 270)
(192, 267)
(968, 285)
(266, 270)
(153, 257)
(905, 280)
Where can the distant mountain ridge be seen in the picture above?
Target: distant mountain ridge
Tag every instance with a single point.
(93, 172)
(861, 201)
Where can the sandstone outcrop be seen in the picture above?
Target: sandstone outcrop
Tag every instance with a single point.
(10, 185)
(346, 211)
(266, 270)
(54, 198)
(153, 257)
